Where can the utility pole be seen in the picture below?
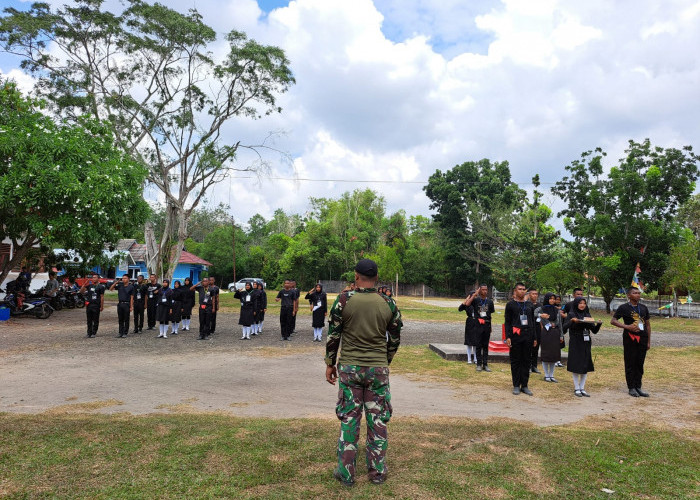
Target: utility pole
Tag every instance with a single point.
(233, 232)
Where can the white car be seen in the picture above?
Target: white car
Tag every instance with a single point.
(240, 284)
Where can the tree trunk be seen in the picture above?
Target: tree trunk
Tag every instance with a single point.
(152, 253)
(181, 237)
(19, 253)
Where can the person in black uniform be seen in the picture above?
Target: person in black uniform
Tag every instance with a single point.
(140, 293)
(178, 298)
(164, 299)
(205, 307)
(214, 290)
(188, 302)
(483, 309)
(580, 361)
(94, 294)
(125, 291)
(472, 329)
(533, 295)
(151, 303)
(520, 337)
(257, 300)
(297, 294)
(319, 310)
(249, 307)
(551, 338)
(636, 339)
(288, 298)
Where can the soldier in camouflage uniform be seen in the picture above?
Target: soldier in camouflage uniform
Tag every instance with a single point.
(362, 318)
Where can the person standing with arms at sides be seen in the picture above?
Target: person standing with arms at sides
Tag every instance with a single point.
(164, 298)
(533, 296)
(472, 332)
(178, 297)
(214, 290)
(262, 307)
(297, 294)
(360, 319)
(140, 294)
(550, 335)
(520, 337)
(580, 326)
(560, 315)
(319, 309)
(484, 308)
(636, 339)
(125, 291)
(248, 309)
(287, 296)
(188, 301)
(205, 307)
(94, 294)
(151, 304)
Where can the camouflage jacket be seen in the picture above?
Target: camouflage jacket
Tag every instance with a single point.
(336, 327)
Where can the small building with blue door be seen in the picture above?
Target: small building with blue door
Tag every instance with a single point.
(134, 262)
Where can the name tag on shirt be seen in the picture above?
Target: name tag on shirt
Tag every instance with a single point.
(523, 319)
(586, 338)
(150, 295)
(247, 298)
(94, 296)
(138, 295)
(164, 299)
(318, 304)
(641, 326)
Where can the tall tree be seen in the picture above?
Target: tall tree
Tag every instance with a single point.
(474, 202)
(62, 185)
(149, 71)
(628, 215)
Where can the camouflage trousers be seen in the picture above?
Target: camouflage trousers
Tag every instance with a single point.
(363, 387)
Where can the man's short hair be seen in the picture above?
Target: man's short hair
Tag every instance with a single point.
(519, 284)
(633, 288)
(578, 290)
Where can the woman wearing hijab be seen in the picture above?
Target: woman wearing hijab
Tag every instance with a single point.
(472, 327)
(178, 298)
(258, 297)
(551, 336)
(164, 304)
(248, 309)
(319, 308)
(188, 300)
(580, 328)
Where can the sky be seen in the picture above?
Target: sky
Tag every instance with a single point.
(393, 90)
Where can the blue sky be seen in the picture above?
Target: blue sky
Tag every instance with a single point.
(391, 90)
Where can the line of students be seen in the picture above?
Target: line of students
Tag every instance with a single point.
(530, 326)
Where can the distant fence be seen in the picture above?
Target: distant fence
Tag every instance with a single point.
(405, 289)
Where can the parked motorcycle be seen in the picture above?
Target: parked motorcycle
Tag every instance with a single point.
(34, 306)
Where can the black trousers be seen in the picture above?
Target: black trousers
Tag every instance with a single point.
(293, 327)
(123, 314)
(520, 363)
(482, 348)
(93, 319)
(286, 318)
(151, 312)
(138, 316)
(204, 322)
(635, 353)
(212, 322)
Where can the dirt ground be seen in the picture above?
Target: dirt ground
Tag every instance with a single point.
(50, 366)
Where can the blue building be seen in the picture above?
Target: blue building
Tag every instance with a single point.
(134, 262)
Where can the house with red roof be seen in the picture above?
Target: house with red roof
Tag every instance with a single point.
(133, 262)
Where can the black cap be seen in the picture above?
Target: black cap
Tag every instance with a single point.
(367, 267)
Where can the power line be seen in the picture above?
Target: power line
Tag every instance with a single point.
(383, 181)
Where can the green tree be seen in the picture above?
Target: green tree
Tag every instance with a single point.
(62, 185)
(629, 215)
(152, 73)
(388, 263)
(689, 214)
(683, 272)
(474, 203)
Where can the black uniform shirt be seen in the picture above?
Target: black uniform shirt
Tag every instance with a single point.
(92, 294)
(124, 292)
(204, 297)
(140, 292)
(515, 329)
(288, 297)
(633, 315)
(151, 289)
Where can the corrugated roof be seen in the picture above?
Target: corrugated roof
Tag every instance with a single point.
(138, 253)
(190, 258)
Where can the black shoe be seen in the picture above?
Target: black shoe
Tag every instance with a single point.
(201, 337)
(641, 392)
(486, 368)
(585, 394)
(578, 394)
(634, 393)
(282, 338)
(516, 390)
(378, 479)
(534, 370)
(527, 391)
(346, 482)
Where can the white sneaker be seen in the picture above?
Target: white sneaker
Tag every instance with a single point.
(165, 336)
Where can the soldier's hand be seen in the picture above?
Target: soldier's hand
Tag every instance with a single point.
(633, 328)
(331, 374)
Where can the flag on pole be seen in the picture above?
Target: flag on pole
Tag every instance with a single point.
(635, 279)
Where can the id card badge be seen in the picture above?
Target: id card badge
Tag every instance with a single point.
(247, 298)
(150, 295)
(586, 336)
(206, 299)
(318, 304)
(482, 314)
(164, 299)
(641, 326)
(138, 296)
(547, 326)
(94, 296)
(523, 319)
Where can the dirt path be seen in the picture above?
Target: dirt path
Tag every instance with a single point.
(51, 366)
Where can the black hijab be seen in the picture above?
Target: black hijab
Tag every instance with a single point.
(548, 308)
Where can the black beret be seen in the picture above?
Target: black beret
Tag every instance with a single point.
(367, 267)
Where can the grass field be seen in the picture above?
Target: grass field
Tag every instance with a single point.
(215, 456)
